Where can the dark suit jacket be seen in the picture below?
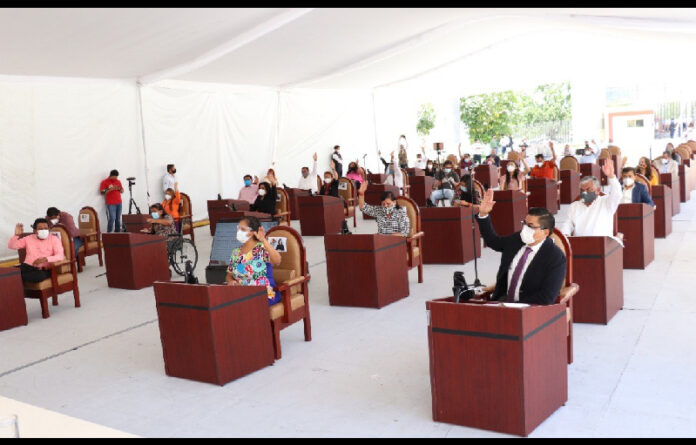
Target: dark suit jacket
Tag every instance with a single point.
(330, 190)
(640, 194)
(543, 279)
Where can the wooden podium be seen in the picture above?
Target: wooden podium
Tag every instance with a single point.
(570, 186)
(366, 270)
(497, 368)
(673, 183)
(135, 223)
(487, 175)
(637, 223)
(135, 260)
(448, 238)
(590, 169)
(373, 194)
(412, 172)
(421, 188)
(509, 211)
(377, 178)
(543, 192)
(293, 194)
(598, 270)
(320, 215)
(13, 309)
(684, 182)
(215, 216)
(662, 197)
(222, 208)
(213, 333)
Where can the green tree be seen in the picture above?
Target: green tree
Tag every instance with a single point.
(426, 119)
(486, 115)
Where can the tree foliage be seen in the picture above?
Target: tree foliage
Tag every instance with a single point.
(426, 119)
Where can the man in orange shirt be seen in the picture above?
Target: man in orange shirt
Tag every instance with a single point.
(544, 169)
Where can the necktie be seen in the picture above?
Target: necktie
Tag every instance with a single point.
(516, 275)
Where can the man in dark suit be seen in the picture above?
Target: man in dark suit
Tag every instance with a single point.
(532, 268)
(637, 191)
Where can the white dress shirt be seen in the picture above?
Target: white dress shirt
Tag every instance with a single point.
(422, 163)
(627, 195)
(597, 219)
(397, 179)
(310, 182)
(516, 260)
(670, 167)
(589, 159)
(168, 182)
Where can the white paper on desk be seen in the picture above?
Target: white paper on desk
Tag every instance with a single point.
(518, 305)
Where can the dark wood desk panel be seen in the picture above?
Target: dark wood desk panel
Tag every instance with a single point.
(662, 197)
(293, 195)
(589, 169)
(421, 189)
(570, 186)
(320, 215)
(487, 175)
(637, 223)
(377, 178)
(13, 309)
(373, 194)
(135, 223)
(448, 235)
(135, 260)
(543, 193)
(509, 211)
(673, 183)
(411, 172)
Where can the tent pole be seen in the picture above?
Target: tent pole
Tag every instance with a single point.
(374, 126)
(142, 136)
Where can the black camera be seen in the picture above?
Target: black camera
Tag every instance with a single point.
(438, 146)
(131, 180)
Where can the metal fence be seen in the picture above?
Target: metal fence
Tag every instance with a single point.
(559, 131)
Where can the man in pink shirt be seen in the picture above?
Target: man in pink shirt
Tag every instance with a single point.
(41, 248)
(250, 190)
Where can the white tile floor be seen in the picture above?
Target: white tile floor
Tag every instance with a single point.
(365, 373)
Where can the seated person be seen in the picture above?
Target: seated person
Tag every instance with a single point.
(162, 223)
(252, 263)
(634, 192)
(171, 203)
(55, 216)
(354, 174)
(494, 157)
(41, 249)
(330, 185)
(566, 151)
(445, 181)
(589, 154)
(668, 165)
(308, 181)
(532, 268)
(248, 193)
(465, 161)
(672, 153)
(266, 200)
(645, 170)
(544, 169)
(391, 218)
(513, 179)
(271, 178)
(593, 215)
(429, 169)
(466, 193)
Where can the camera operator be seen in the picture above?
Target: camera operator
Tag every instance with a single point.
(111, 188)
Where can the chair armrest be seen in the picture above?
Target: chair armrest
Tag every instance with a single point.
(282, 214)
(559, 182)
(286, 285)
(57, 264)
(417, 235)
(567, 293)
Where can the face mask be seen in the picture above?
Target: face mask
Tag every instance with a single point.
(328, 180)
(42, 234)
(430, 165)
(527, 235)
(510, 168)
(588, 196)
(247, 182)
(155, 215)
(173, 171)
(54, 221)
(167, 197)
(389, 209)
(665, 160)
(628, 182)
(243, 236)
(447, 170)
(262, 192)
(462, 188)
(587, 152)
(539, 164)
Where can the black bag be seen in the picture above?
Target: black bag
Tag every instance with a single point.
(461, 290)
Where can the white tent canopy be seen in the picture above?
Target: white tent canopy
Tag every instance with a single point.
(228, 91)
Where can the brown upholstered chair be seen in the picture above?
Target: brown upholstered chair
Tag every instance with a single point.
(570, 163)
(320, 182)
(283, 207)
(557, 178)
(643, 180)
(655, 171)
(406, 190)
(348, 191)
(513, 156)
(684, 152)
(414, 241)
(90, 233)
(614, 150)
(186, 216)
(454, 160)
(480, 189)
(292, 278)
(63, 275)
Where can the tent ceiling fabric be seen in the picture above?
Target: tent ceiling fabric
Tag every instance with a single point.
(325, 48)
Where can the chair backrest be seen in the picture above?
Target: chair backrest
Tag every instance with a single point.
(68, 247)
(478, 188)
(320, 182)
(513, 155)
(614, 150)
(404, 174)
(570, 163)
(560, 240)
(453, 159)
(655, 172)
(643, 180)
(556, 172)
(346, 188)
(282, 201)
(293, 260)
(87, 219)
(692, 145)
(604, 154)
(186, 210)
(684, 151)
(413, 213)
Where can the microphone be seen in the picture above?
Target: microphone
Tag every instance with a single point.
(477, 282)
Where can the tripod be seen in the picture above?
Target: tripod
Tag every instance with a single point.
(131, 201)
(477, 282)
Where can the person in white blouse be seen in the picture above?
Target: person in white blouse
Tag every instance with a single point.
(308, 180)
(667, 164)
(421, 160)
(593, 215)
(169, 179)
(589, 154)
(395, 176)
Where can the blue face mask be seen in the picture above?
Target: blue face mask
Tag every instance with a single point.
(155, 215)
(247, 182)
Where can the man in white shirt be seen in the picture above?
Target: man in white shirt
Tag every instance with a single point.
(308, 181)
(421, 160)
(169, 179)
(589, 154)
(593, 215)
(477, 150)
(395, 176)
(667, 164)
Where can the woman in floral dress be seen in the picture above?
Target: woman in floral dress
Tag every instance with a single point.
(252, 263)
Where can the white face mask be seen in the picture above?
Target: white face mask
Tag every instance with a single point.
(42, 234)
(587, 152)
(447, 170)
(628, 182)
(243, 236)
(167, 197)
(527, 235)
(462, 188)
(510, 168)
(539, 164)
(54, 221)
(262, 192)
(665, 160)
(328, 180)
(389, 209)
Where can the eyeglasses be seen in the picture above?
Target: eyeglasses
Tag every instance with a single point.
(524, 223)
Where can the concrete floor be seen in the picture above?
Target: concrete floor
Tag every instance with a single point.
(365, 373)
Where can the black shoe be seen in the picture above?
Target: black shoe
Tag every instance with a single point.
(429, 203)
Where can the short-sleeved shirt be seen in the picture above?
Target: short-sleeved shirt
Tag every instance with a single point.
(442, 177)
(162, 230)
(387, 223)
(545, 171)
(254, 269)
(114, 196)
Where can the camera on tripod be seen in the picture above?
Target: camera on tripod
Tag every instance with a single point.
(131, 181)
(439, 146)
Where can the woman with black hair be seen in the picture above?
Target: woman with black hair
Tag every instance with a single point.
(266, 200)
(513, 179)
(391, 218)
(252, 263)
(162, 222)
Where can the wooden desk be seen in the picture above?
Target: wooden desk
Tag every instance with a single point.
(366, 270)
(421, 188)
(662, 197)
(293, 194)
(637, 223)
(217, 215)
(13, 309)
(373, 194)
(598, 270)
(320, 215)
(448, 237)
(413, 172)
(570, 186)
(684, 183)
(589, 169)
(220, 208)
(135, 260)
(673, 183)
(509, 211)
(543, 192)
(487, 175)
(213, 333)
(497, 368)
(135, 223)
(377, 178)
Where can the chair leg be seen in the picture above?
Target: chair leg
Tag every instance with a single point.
(420, 272)
(80, 261)
(355, 218)
(76, 294)
(44, 306)
(55, 299)
(307, 328)
(101, 261)
(276, 340)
